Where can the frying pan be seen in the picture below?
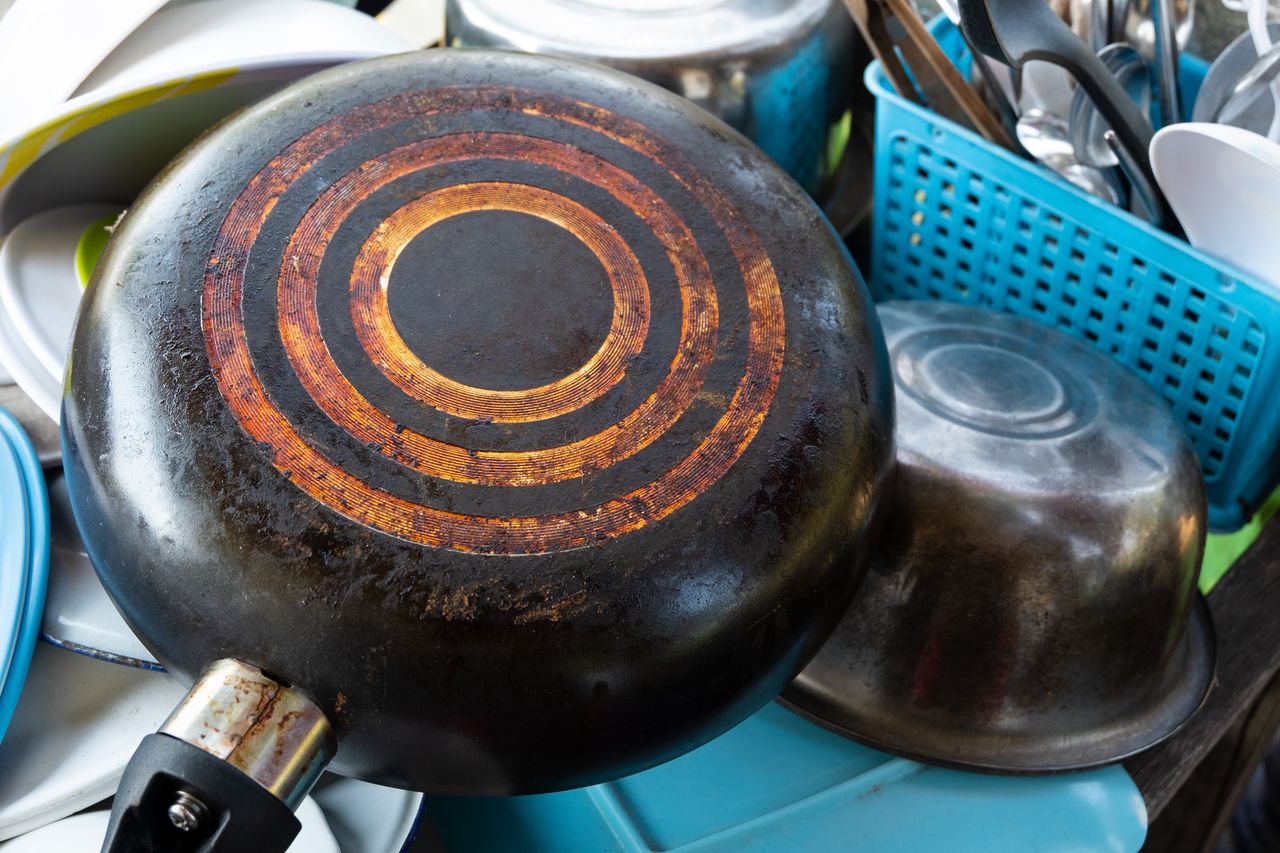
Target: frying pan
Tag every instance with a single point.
(480, 423)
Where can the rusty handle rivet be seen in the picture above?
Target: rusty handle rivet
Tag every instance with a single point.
(187, 813)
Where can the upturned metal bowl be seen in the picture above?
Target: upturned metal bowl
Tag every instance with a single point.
(1032, 606)
(786, 73)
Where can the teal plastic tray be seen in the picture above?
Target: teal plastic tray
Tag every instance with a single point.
(961, 220)
(779, 783)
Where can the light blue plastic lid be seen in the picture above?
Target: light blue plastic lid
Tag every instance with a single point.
(779, 783)
(24, 554)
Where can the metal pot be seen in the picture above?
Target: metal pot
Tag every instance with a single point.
(787, 73)
(1032, 606)
(502, 422)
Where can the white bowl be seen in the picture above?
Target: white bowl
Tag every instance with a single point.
(1224, 185)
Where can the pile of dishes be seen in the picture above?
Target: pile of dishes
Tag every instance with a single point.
(120, 96)
(362, 555)
(81, 153)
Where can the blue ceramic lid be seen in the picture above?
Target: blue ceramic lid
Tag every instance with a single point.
(24, 559)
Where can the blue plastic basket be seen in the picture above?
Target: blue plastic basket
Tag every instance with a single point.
(961, 220)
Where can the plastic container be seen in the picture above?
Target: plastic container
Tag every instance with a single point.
(779, 784)
(961, 220)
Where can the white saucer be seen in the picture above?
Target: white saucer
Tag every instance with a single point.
(77, 724)
(39, 287)
(27, 372)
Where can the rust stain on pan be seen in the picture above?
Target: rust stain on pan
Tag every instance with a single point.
(318, 476)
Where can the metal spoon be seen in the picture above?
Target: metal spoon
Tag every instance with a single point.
(1087, 124)
(1146, 193)
(1256, 82)
(1015, 31)
(1163, 21)
(1045, 137)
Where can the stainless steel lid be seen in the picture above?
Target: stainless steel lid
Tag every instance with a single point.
(1032, 606)
(634, 29)
(786, 73)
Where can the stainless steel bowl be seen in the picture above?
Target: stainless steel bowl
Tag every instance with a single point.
(784, 72)
(1032, 606)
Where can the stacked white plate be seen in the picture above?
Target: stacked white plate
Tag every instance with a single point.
(128, 89)
(174, 75)
(92, 694)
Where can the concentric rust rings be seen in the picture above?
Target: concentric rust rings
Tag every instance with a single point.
(304, 330)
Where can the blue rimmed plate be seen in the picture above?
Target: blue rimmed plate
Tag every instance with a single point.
(24, 559)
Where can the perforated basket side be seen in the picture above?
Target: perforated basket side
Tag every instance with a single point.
(959, 220)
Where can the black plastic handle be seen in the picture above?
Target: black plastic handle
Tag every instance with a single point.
(177, 798)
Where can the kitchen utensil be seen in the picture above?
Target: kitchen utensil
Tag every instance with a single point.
(1087, 125)
(1163, 22)
(24, 560)
(1136, 25)
(777, 782)
(1234, 215)
(1032, 606)
(1256, 14)
(1099, 24)
(525, 545)
(188, 66)
(367, 818)
(77, 614)
(893, 26)
(48, 47)
(1233, 63)
(957, 220)
(83, 833)
(982, 69)
(1254, 84)
(1015, 31)
(75, 728)
(784, 72)
(1046, 137)
(1138, 181)
(39, 287)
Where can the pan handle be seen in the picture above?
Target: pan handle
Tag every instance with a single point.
(226, 770)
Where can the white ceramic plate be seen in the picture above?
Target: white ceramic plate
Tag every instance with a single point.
(77, 724)
(83, 833)
(78, 615)
(39, 287)
(27, 372)
(368, 818)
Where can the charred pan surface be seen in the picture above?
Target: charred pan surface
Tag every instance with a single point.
(524, 416)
